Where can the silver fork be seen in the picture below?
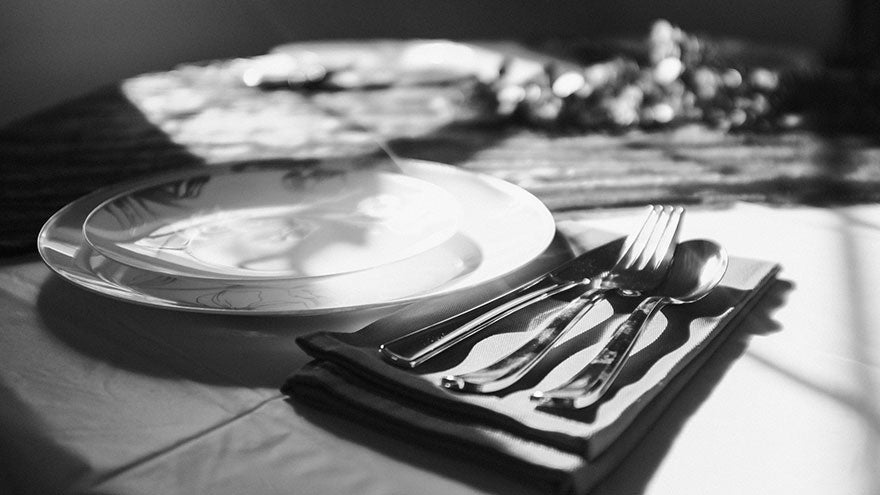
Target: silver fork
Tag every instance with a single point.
(641, 265)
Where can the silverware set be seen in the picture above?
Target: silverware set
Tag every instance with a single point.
(651, 264)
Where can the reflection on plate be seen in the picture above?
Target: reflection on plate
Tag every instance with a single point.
(502, 227)
(272, 222)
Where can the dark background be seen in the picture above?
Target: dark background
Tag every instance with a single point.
(54, 50)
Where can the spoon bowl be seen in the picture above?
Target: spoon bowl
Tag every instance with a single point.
(697, 267)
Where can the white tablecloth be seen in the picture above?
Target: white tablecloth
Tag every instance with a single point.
(104, 396)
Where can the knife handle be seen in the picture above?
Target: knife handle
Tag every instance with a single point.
(414, 348)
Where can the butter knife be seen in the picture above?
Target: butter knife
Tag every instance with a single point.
(416, 347)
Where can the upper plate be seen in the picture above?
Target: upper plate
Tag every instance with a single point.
(272, 222)
(502, 227)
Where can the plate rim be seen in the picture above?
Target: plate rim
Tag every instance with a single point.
(542, 239)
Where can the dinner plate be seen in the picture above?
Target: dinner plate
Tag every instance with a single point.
(502, 227)
(272, 221)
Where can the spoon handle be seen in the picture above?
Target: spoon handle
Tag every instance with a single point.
(591, 383)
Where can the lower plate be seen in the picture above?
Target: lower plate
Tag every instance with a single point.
(503, 227)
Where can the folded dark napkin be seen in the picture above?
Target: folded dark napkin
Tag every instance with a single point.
(563, 451)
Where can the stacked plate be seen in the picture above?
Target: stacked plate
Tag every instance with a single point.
(277, 239)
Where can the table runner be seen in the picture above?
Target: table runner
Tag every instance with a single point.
(200, 114)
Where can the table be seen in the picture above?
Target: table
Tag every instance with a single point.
(102, 396)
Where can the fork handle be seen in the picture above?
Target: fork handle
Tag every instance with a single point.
(591, 383)
(414, 348)
(515, 365)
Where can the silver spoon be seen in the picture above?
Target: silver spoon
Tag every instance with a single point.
(697, 268)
